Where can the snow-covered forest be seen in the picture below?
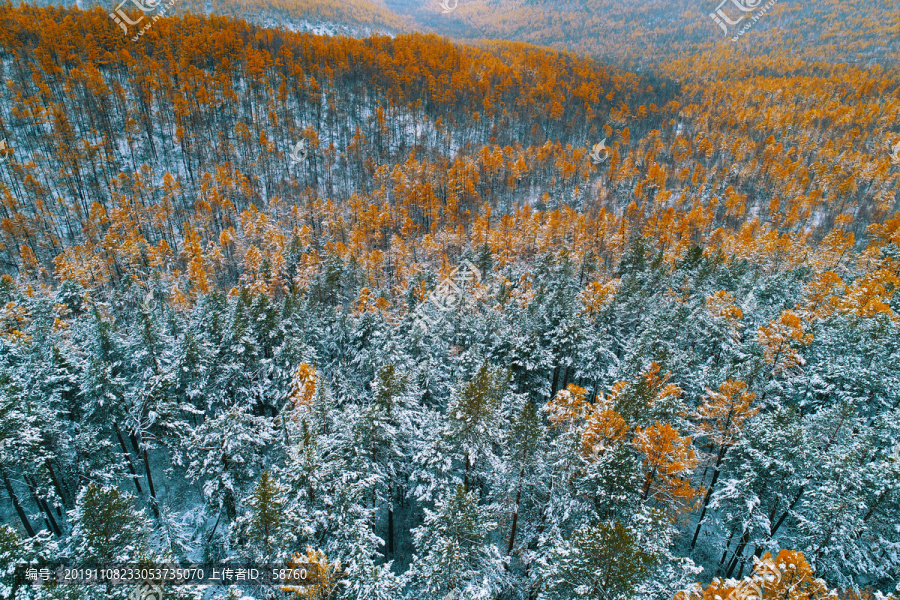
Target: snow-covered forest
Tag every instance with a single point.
(443, 354)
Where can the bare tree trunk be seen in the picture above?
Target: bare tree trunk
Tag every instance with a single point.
(737, 553)
(15, 500)
(515, 518)
(154, 505)
(390, 540)
(134, 475)
(708, 495)
(58, 486)
(466, 479)
(45, 508)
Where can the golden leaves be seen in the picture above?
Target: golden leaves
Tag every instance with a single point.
(322, 576)
(786, 577)
(823, 294)
(303, 386)
(887, 232)
(597, 296)
(196, 261)
(79, 264)
(780, 340)
(13, 319)
(871, 294)
(723, 414)
(605, 427)
(669, 459)
(721, 305)
(868, 296)
(568, 407)
(658, 384)
(367, 302)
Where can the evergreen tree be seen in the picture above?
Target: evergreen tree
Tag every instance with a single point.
(454, 555)
(265, 527)
(606, 561)
(225, 452)
(106, 527)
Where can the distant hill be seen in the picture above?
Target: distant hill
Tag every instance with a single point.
(633, 34)
(356, 18)
(644, 33)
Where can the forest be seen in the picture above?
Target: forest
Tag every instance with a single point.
(373, 305)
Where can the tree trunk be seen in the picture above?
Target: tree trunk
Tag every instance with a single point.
(466, 479)
(725, 553)
(390, 536)
(154, 505)
(134, 475)
(45, 508)
(515, 518)
(645, 491)
(544, 510)
(58, 486)
(737, 553)
(15, 500)
(789, 509)
(708, 495)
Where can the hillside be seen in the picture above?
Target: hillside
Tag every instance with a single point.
(641, 36)
(370, 303)
(649, 34)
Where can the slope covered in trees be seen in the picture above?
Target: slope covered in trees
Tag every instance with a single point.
(649, 34)
(661, 369)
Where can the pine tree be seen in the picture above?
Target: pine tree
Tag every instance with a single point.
(454, 556)
(225, 452)
(266, 526)
(722, 419)
(605, 561)
(106, 527)
(471, 413)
